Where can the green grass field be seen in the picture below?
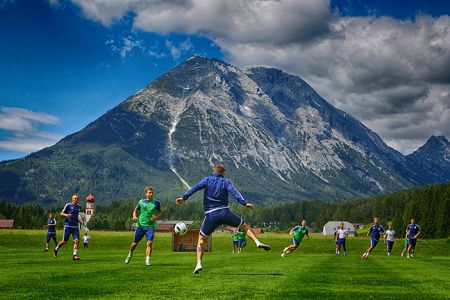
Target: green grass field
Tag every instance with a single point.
(311, 272)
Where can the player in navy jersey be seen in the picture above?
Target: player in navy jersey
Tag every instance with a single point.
(51, 231)
(217, 211)
(412, 231)
(70, 212)
(375, 233)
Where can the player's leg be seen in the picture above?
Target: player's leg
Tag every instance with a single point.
(76, 242)
(66, 234)
(138, 235)
(200, 251)
(345, 248)
(54, 239)
(210, 223)
(150, 233)
(289, 249)
(373, 243)
(252, 235)
(47, 242)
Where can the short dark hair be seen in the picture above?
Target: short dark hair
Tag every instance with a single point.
(148, 188)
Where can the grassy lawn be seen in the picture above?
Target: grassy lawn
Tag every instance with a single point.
(311, 272)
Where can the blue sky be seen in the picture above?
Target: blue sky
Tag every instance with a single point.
(65, 63)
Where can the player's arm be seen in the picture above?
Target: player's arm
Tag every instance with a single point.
(65, 212)
(199, 186)
(236, 195)
(135, 212)
(52, 225)
(159, 213)
(291, 232)
(385, 238)
(417, 234)
(307, 234)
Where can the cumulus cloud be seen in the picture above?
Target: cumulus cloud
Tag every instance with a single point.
(23, 130)
(393, 75)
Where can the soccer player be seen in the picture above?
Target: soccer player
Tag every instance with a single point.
(374, 232)
(146, 212)
(70, 212)
(389, 238)
(413, 230)
(242, 240)
(235, 240)
(51, 231)
(217, 212)
(298, 233)
(340, 238)
(86, 239)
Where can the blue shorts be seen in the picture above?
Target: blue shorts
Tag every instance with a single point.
(390, 244)
(373, 243)
(340, 242)
(219, 217)
(140, 232)
(412, 242)
(295, 242)
(74, 231)
(236, 243)
(242, 243)
(51, 235)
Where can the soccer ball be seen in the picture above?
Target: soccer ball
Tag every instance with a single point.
(180, 228)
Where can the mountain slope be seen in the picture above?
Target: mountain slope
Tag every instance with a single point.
(279, 139)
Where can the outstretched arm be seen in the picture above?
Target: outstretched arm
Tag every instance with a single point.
(232, 190)
(199, 186)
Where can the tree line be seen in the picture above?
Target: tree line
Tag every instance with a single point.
(430, 206)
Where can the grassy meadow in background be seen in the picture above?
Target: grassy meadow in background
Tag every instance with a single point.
(310, 272)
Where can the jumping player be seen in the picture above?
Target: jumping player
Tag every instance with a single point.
(70, 212)
(375, 232)
(389, 238)
(340, 238)
(412, 231)
(149, 210)
(51, 231)
(298, 233)
(217, 211)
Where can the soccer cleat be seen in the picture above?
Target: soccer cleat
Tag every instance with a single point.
(401, 254)
(147, 263)
(283, 254)
(127, 260)
(76, 257)
(345, 253)
(197, 270)
(407, 256)
(264, 246)
(45, 250)
(55, 253)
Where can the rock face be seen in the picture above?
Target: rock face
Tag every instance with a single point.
(278, 138)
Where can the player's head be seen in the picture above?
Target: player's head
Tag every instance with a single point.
(85, 234)
(390, 227)
(303, 223)
(342, 225)
(75, 198)
(149, 192)
(376, 220)
(413, 221)
(219, 169)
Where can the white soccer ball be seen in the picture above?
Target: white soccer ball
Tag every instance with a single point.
(180, 228)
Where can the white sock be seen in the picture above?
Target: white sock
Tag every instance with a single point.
(199, 264)
(56, 248)
(257, 242)
(147, 258)
(75, 252)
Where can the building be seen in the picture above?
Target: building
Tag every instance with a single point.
(90, 199)
(6, 224)
(167, 226)
(331, 226)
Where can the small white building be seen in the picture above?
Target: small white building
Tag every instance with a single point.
(331, 226)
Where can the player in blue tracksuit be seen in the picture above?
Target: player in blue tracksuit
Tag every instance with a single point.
(217, 212)
(51, 231)
(375, 233)
(412, 231)
(70, 212)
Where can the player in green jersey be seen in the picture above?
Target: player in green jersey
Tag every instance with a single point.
(146, 212)
(298, 233)
(235, 240)
(242, 239)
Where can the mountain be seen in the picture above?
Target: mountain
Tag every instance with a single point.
(278, 138)
(432, 161)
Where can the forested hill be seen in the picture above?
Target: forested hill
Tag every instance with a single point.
(430, 206)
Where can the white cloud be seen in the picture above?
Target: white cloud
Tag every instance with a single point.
(125, 46)
(23, 125)
(177, 49)
(393, 75)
